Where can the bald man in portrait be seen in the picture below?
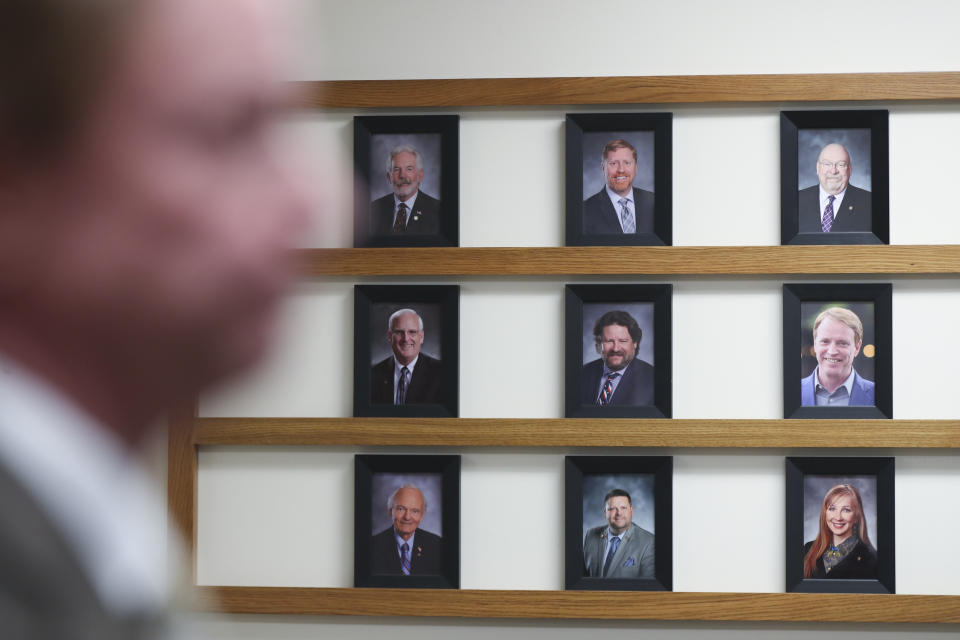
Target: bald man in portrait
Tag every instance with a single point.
(834, 205)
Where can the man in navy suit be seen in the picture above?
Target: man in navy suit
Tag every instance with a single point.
(617, 377)
(408, 376)
(408, 210)
(619, 208)
(834, 204)
(404, 548)
(837, 338)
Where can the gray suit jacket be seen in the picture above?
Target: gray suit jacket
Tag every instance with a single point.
(44, 591)
(634, 557)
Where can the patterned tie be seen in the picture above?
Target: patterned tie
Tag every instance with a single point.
(828, 215)
(614, 544)
(607, 390)
(404, 559)
(402, 387)
(401, 222)
(629, 222)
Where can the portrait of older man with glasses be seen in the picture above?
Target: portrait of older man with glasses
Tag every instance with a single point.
(834, 204)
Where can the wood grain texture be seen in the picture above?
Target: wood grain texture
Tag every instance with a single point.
(607, 605)
(511, 261)
(568, 432)
(470, 92)
(182, 474)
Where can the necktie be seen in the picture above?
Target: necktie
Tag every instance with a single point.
(402, 387)
(827, 222)
(607, 390)
(404, 559)
(629, 223)
(614, 544)
(401, 222)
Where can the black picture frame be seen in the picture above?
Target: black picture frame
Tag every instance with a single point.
(372, 306)
(803, 133)
(637, 128)
(611, 470)
(444, 471)
(659, 296)
(431, 135)
(880, 296)
(870, 472)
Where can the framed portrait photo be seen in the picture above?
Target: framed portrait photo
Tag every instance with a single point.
(837, 343)
(840, 525)
(618, 360)
(406, 171)
(406, 350)
(834, 177)
(407, 521)
(619, 179)
(619, 523)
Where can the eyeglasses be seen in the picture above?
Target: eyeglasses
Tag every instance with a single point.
(830, 165)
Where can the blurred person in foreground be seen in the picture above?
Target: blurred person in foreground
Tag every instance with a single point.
(145, 223)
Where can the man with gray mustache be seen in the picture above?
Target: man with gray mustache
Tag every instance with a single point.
(408, 210)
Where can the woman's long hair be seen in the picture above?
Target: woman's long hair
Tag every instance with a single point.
(825, 537)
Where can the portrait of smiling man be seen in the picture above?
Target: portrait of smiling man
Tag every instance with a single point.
(620, 548)
(617, 377)
(404, 548)
(834, 205)
(619, 207)
(407, 209)
(837, 339)
(409, 376)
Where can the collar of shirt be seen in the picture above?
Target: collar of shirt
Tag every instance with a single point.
(611, 535)
(848, 383)
(397, 367)
(825, 198)
(92, 489)
(409, 202)
(616, 197)
(613, 383)
(832, 558)
(400, 541)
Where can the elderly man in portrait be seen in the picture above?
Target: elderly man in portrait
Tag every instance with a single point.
(834, 204)
(408, 210)
(620, 548)
(619, 207)
(146, 223)
(404, 548)
(617, 377)
(837, 338)
(408, 376)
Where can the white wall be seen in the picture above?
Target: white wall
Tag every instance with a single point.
(282, 516)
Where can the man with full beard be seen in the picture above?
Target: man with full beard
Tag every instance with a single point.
(617, 377)
(619, 208)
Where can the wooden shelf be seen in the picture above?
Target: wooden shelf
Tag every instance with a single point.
(568, 432)
(593, 605)
(502, 92)
(914, 260)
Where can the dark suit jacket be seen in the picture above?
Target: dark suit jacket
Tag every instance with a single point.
(854, 214)
(862, 394)
(426, 557)
(635, 388)
(45, 593)
(423, 219)
(635, 557)
(424, 385)
(599, 216)
(861, 562)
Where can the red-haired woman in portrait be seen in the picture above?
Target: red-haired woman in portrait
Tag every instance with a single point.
(842, 548)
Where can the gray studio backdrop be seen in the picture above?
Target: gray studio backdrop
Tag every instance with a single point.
(379, 314)
(638, 485)
(428, 144)
(383, 484)
(864, 363)
(816, 486)
(811, 141)
(642, 312)
(593, 142)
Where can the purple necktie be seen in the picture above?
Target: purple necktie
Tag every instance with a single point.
(404, 559)
(828, 215)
